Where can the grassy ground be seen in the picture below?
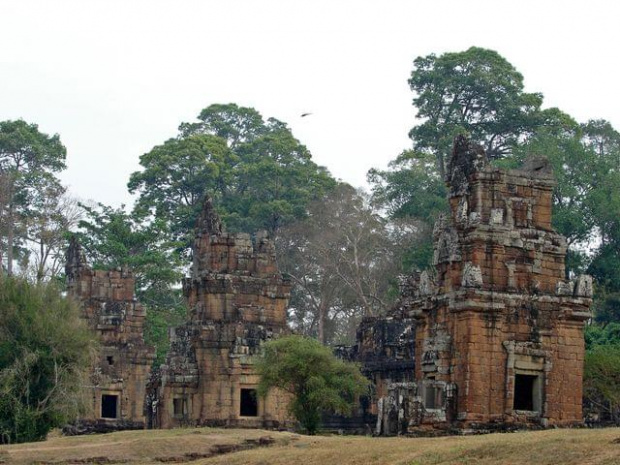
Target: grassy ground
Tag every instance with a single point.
(196, 446)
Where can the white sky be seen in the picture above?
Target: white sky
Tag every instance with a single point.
(115, 78)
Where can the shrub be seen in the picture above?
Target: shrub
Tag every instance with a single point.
(45, 351)
(317, 380)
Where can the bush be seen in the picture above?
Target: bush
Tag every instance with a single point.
(602, 380)
(45, 352)
(310, 372)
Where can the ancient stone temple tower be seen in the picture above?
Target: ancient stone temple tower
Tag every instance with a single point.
(499, 330)
(121, 368)
(237, 299)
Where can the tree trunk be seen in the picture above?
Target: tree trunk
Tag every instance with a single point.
(322, 317)
(42, 260)
(9, 242)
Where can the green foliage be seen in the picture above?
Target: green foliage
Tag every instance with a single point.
(317, 380)
(605, 204)
(602, 377)
(475, 92)
(412, 188)
(607, 307)
(45, 350)
(596, 335)
(113, 238)
(165, 309)
(29, 154)
(28, 161)
(260, 176)
(234, 124)
(176, 177)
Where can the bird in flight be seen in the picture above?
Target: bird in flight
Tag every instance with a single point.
(303, 115)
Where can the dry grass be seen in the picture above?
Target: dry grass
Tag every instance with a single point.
(135, 447)
(566, 447)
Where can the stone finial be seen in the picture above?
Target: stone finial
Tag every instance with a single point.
(538, 166)
(209, 221)
(583, 286)
(75, 259)
(467, 158)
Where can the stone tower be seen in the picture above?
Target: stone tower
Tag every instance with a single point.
(499, 330)
(237, 299)
(121, 367)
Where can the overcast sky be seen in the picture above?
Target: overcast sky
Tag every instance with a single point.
(115, 78)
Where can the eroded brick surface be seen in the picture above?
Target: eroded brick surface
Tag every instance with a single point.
(237, 299)
(116, 394)
(499, 330)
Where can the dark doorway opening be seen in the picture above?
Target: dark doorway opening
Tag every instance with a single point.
(109, 406)
(249, 403)
(433, 394)
(524, 392)
(110, 360)
(179, 406)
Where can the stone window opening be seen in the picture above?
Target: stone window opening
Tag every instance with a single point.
(110, 360)
(109, 406)
(433, 394)
(179, 406)
(527, 395)
(248, 406)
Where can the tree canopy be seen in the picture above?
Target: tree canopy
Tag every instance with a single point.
(29, 160)
(477, 92)
(259, 174)
(343, 259)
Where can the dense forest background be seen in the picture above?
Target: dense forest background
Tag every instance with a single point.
(342, 247)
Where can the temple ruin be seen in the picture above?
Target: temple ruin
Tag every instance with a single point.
(498, 327)
(120, 371)
(237, 299)
(491, 337)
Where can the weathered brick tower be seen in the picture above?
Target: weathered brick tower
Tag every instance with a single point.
(499, 330)
(121, 368)
(237, 299)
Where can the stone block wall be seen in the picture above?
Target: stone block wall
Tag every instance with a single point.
(499, 330)
(121, 368)
(237, 299)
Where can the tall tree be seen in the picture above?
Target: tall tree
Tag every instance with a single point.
(477, 92)
(112, 238)
(28, 161)
(47, 224)
(176, 177)
(276, 179)
(412, 193)
(341, 259)
(260, 176)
